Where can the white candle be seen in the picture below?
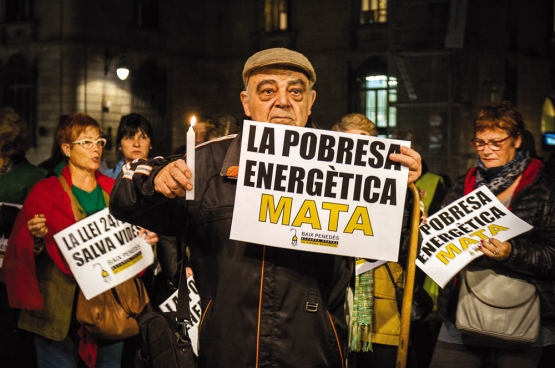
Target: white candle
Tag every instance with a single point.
(190, 158)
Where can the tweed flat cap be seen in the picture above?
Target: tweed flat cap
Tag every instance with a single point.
(278, 56)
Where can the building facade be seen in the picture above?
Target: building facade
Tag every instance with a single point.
(420, 65)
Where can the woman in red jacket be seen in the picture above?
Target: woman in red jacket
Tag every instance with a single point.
(38, 279)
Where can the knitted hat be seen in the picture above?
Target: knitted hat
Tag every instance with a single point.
(278, 56)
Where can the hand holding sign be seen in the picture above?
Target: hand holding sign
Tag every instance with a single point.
(321, 191)
(496, 249)
(103, 252)
(456, 235)
(411, 159)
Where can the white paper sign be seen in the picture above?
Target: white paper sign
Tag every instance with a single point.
(170, 305)
(103, 252)
(319, 191)
(450, 238)
(363, 265)
(4, 233)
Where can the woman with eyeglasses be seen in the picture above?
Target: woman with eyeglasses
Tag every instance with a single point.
(39, 280)
(505, 167)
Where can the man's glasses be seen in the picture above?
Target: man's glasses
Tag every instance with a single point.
(480, 145)
(88, 143)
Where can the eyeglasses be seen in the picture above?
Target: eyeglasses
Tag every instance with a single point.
(88, 143)
(480, 145)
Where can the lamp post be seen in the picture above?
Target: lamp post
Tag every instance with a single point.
(122, 68)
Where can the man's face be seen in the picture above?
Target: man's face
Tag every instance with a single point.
(278, 96)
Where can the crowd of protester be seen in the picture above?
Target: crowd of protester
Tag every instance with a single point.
(37, 293)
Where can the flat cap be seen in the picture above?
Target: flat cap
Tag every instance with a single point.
(278, 56)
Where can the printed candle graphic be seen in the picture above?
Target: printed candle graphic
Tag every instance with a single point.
(104, 273)
(294, 239)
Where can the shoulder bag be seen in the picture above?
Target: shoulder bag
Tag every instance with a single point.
(165, 341)
(113, 314)
(499, 307)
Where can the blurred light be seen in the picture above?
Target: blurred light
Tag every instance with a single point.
(123, 69)
(122, 72)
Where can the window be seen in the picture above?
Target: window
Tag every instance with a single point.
(276, 16)
(146, 13)
(17, 10)
(377, 93)
(373, 11)
(18, 90)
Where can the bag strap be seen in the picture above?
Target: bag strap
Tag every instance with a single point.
(78, 212)
(391, 276)
(183, 318)
(140, 292)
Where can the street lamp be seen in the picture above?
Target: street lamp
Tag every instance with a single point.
(122, 69)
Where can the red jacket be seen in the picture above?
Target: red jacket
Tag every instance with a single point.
(47, 197)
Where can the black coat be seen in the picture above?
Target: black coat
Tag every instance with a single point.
(254, 298)
(533, 253)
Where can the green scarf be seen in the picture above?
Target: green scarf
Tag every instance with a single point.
(363, 308)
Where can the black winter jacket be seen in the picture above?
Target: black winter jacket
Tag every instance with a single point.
(533, 253)
(262, 306)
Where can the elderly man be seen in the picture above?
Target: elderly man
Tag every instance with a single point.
(262, 306)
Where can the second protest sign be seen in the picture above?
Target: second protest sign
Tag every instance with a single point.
(103, 252)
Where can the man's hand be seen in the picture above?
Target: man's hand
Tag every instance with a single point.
(411, 159)
(173, 180)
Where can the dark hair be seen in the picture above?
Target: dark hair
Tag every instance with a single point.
(500, 116)
(76, 124)
(15, 138)
(221, 125)
(130, 124)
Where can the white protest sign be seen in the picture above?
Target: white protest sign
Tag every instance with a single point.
(450, 238)
(363, 265)
(319, 191)
(103, 252)
(170, 305)
(4, 232)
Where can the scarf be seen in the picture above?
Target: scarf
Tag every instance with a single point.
(497, 179)
(363, 308)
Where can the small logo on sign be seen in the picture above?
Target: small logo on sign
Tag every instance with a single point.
(294, 240)
(105, 274)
